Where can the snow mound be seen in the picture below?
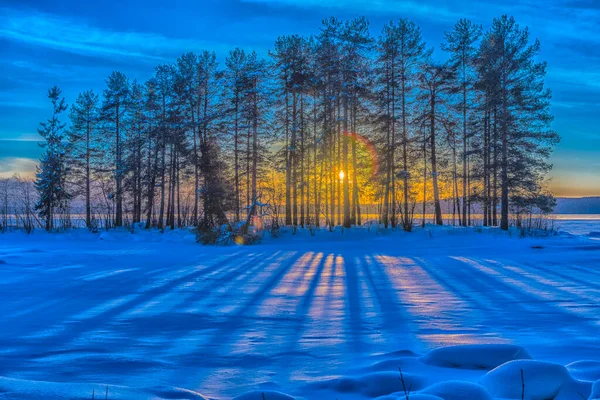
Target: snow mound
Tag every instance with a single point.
(264, 395)
(475, 356)
(543, 380)
(586, 370)
(457, 390)
(34, 390)
(406, 363)
(374, 384)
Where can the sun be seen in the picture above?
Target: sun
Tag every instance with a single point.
(341, 175)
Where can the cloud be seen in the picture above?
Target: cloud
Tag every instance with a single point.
(75, 36)
(24, 167)
(388, 7)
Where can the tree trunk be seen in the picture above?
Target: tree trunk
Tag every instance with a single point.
(504, 166)
(88, 207)
(119, 200)
(434, 173)
(347, 222)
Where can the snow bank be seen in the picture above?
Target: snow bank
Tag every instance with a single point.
(543, 380)
(374, 384)
(457, 390)
(471, 356)
(264, 395)
(586, 370)
(35, 390)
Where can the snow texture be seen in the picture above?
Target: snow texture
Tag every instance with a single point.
(330, 316)
(542, 380)
(264, 395)
(458, 390)
(34, 390)
(475, 356)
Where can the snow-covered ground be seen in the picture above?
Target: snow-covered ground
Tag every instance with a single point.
(332, 316)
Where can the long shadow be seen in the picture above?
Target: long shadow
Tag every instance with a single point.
(296, 327)
(237, 320)
(177, 324)
(354, 323)
(586, 270)
(523, 297)
(67, 294)
(567, 277)
(528, 281)
(549, 289)
(563, 275)
(473, 289)
(72, 331)
(235, 276)
(226, 330)
(394, 317)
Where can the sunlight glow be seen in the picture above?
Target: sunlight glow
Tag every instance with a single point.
(341, 175)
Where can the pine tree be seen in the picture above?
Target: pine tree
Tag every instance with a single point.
(460, 43)
(51, 175)
(234, 92)
(134, 146)
(523, 108)
(402, 52)
(84, 146)
(435, 84)
(356, 44)
(116, 99)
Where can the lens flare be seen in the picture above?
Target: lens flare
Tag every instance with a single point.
(368, 146)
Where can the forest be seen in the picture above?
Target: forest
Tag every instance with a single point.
(339, 128)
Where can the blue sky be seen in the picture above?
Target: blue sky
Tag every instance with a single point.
(76, 44)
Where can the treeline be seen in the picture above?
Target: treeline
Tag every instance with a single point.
(334, 129)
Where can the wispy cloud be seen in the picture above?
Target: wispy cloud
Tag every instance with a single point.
(389, 7)
(75, 36)
(24, 167)
(585, 78)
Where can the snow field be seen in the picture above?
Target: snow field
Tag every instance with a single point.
(328, 317)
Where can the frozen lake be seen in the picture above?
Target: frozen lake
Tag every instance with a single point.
(139, 310)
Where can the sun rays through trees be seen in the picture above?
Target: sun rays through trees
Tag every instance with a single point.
(338, 128)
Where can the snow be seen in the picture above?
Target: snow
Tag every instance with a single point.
(587, 370)
(458, 390)
(475, 356)
(595, 391)
(35, 390)
(264, 395)
(373, 385)
(330, 316)
(542, 380)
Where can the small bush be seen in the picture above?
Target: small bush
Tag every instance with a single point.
(225, 235)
